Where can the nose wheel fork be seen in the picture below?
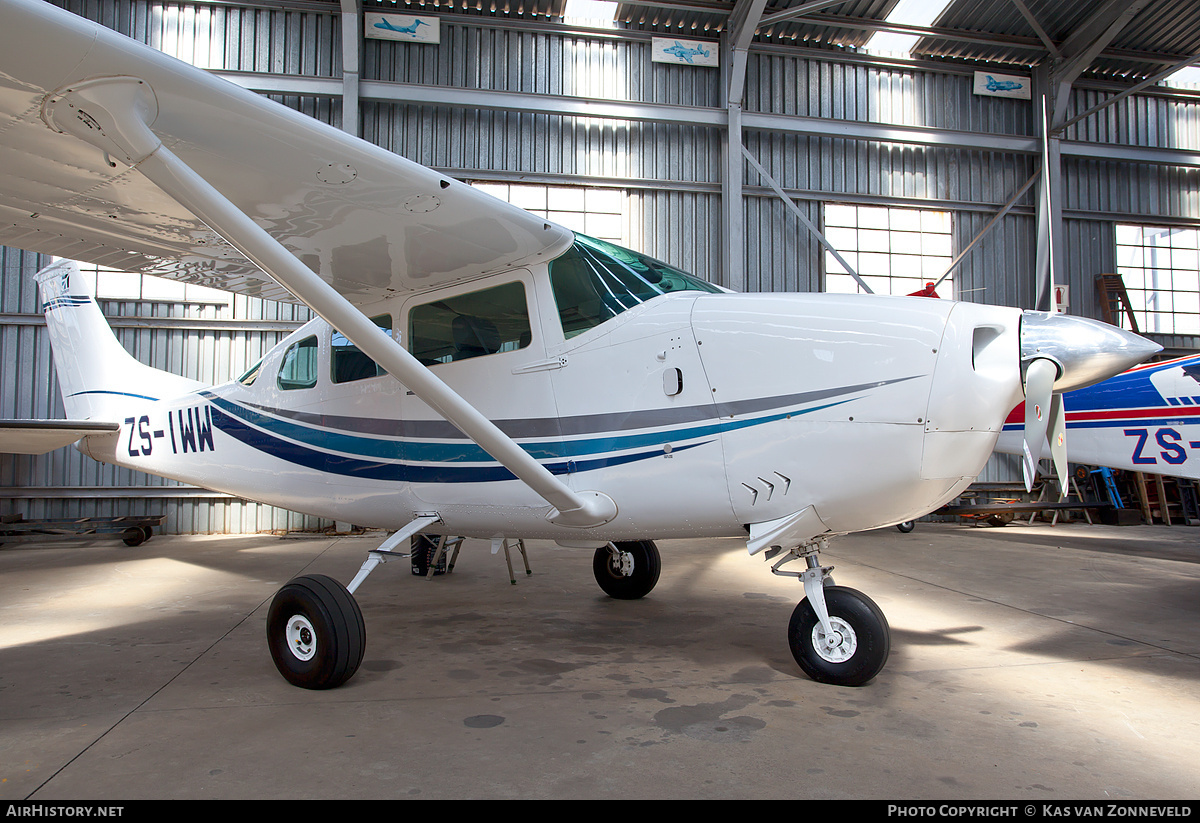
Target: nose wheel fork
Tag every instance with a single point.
(836, 634)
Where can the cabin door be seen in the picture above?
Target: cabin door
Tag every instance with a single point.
(483, 339)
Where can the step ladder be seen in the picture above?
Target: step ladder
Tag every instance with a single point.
(1114, 301)
(1189, 501)
(1161, 498)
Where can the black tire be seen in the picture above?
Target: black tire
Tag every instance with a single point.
(906, 526)
(134, 536)
(316, 632)
(633, 578)
(864, 649)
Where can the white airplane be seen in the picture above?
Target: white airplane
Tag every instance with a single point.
(477, 371)
(1146, 419)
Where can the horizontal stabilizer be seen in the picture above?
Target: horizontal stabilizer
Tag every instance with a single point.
(41, 436)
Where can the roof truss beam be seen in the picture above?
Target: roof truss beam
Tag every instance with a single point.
(1083, 46)
(710, 116)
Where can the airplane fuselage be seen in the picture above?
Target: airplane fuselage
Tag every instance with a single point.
(697, 413)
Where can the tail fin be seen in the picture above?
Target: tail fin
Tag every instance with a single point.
(96, 375)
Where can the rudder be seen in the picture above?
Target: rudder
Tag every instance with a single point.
(96, 375)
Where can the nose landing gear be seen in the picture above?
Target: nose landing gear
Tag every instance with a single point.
(836, 634)
(855, 647)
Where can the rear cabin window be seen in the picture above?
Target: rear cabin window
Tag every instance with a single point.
(596, 280)
(251, 374)
(347, 363)
(298, 369)
(470, 325)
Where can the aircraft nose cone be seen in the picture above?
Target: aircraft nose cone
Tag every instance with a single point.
(1087, 351)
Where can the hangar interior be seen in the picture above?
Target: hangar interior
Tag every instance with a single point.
(1009, 151)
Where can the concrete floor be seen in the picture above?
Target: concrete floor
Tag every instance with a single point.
(1028, 662)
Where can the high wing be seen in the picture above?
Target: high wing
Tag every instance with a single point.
(111, 147)
(367, 221)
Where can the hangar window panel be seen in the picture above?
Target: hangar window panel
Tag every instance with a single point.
(894, 250)
(531, 198)
(596, 211)
(112, 284)
(1160, 267)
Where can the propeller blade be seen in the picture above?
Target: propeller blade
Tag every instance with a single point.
(1057, 435)
(1040, 375)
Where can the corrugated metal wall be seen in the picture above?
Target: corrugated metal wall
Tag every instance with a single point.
(672, 173)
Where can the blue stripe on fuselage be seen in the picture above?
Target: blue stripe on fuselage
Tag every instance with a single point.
(400, 472)
(353, 446)
(350, 454)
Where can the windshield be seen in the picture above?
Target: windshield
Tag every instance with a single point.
(594, 281)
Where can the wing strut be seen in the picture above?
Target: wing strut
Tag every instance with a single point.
(114, 114)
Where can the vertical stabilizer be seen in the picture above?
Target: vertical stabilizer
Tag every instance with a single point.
(97, 376)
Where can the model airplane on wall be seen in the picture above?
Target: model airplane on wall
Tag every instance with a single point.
(409, 29)
(685, 53)
(477, 371)
(1002, 85)
(1146, 419)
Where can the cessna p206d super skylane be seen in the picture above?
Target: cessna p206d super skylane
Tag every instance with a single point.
(477, 371)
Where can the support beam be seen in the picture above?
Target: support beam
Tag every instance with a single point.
(797, 11)
(708, 116)
(803, 218)
(733, 221)
(1038, 30)
(1149, 81)
(742, 25)
(996, 218)
(1083, 46)
(735, 48)
(352, 26)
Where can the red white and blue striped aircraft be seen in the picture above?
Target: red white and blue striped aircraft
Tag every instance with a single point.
(1145, 419)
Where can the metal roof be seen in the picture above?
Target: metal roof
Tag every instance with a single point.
(1116, 39)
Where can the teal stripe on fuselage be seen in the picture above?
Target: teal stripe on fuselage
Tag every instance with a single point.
(433, 452)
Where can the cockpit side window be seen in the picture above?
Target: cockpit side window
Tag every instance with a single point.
(251, 374)
(347, 363)
(298, 369)
(595, 281)
(469, 325)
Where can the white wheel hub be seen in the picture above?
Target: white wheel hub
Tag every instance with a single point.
(301, 637)
(837, 647)
(622, 564)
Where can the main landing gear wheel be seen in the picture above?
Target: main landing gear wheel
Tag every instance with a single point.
(316, 632)
(858, 647)
(906, 526)
(629, 573)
